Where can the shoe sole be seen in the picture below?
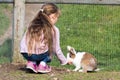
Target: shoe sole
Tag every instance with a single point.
(28, 67)
(44, 71)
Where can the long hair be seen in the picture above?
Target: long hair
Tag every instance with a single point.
(41, 25)
(50, 8)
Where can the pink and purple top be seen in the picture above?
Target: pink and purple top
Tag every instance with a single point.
(43, 48)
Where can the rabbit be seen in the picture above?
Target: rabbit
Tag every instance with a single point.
(83, 61)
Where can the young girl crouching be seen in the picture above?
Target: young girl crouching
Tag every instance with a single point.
(41, 40)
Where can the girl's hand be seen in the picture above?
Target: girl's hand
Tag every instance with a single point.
(69, 62)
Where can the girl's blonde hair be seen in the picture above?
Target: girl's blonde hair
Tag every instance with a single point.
(41, 24)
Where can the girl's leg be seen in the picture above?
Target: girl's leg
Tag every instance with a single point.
(30, 64)
(41, 61)
(37, 58)
(45, 60)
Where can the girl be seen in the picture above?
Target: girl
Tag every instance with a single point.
(41, 40)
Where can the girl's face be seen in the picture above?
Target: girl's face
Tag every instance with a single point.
(54, 18)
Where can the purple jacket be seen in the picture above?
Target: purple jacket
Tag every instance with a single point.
(43, 48)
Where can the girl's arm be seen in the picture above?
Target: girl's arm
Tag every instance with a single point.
(58, 50)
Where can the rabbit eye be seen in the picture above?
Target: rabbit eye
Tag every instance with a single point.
(72, 55)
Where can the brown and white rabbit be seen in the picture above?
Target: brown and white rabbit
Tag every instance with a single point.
(83, 60)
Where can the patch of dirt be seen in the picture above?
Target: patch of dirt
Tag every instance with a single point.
(11, 71)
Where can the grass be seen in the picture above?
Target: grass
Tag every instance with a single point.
(6, 52)
(94, 29)
(90, 28)
(19, 75)
(5, 48)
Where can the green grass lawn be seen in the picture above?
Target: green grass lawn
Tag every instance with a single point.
(5, 48)
(94, 29)
(90, 28)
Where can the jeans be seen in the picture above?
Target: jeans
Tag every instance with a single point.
(37, 57)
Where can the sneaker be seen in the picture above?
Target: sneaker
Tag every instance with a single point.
(44, 69)
(32, 66)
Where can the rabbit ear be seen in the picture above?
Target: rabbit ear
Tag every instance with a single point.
(71, 50)
(68, 48)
